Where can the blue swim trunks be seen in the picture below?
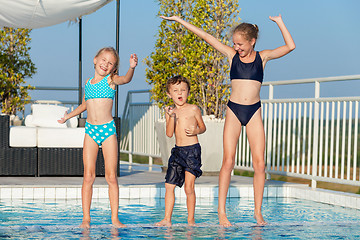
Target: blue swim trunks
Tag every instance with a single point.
(99, 133)
(186, 158)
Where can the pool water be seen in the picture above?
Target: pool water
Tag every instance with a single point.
(288, 219)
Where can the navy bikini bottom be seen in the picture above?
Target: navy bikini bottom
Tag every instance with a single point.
(244, 112)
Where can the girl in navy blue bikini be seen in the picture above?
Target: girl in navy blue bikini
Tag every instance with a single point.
(100, 128)
(244, 105)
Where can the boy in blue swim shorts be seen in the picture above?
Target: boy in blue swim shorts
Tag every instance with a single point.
(186, 122)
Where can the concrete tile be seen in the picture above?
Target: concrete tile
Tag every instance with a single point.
(162, 192)
(155, 192)
(244, 192)
(5, 193)
(177, 192)
(281, 192)
(103, 192)
(95, 194)
(198, 192)
(39, 193)
(71, 193)
(124, 192)
(358, 202)
(60, 193)
(205, 192)
(78, 193)
(50, 193)
(251, 192)
(216, 193)
(145, 192)
(28, 193)
(134, 193)
(272, 192)
(17, 193)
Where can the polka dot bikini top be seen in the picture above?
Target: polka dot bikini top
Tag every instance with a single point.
(99, 90)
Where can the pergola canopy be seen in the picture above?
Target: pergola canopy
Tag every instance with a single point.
(42, 13)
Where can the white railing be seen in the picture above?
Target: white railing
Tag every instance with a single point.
(313, 138)
(137, 128)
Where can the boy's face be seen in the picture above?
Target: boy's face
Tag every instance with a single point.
(178, 93)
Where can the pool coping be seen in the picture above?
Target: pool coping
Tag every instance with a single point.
(285, 190)
(137, 182)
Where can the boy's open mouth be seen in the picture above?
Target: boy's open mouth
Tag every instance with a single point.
(180, 98)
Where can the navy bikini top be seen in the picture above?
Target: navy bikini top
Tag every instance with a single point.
(247, 71)
(99, 90)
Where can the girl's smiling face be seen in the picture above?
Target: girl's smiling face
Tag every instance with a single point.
(179, 93)
(242, 45)
(105, 63)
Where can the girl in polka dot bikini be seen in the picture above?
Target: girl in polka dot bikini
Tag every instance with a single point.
(100, 128)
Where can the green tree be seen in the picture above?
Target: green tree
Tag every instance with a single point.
(15, 66)
(180, 52)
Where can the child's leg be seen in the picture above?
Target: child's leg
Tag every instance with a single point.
(169, 205)
(190, 196)
(232, 130)
(110, 152)
(256, 136)
(90, 152)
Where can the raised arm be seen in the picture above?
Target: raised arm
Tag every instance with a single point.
(119, 80)
(283, 50)
(214, 42)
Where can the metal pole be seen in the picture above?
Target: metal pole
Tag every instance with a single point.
(80, 63)
(118, 50)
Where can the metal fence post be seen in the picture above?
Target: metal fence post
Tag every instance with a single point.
(316, 135)
(269, 135)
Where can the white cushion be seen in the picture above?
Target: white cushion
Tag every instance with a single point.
(72, 122)
(22, 136)
(44, 115)
(61, 138)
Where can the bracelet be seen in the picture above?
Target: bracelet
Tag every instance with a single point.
(132, 68)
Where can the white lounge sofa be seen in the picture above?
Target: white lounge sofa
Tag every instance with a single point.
(58, 146)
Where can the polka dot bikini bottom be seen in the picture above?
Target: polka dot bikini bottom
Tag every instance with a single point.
(99, 133)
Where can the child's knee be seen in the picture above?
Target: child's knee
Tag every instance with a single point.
(89, 178)
(259, 165)
(228, 163)
(111, 179)
(189, 189)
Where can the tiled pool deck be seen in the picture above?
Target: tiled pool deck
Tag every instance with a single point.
(139, 182)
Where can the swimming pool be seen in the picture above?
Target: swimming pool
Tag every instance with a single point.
(288, 218)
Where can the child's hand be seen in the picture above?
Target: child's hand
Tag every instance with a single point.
(191, 131)
(276, 18)
(63, 119)
(170, 111)
(133, 61)
(172, 18)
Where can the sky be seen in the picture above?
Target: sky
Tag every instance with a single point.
(326, 34)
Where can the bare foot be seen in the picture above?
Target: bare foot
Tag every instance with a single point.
(163, 223)
(191, 222)
(85, 224)
(259, 219)
(117, 224)
(223, 221)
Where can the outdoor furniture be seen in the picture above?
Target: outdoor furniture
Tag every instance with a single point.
(20, 161)
(44, 160)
